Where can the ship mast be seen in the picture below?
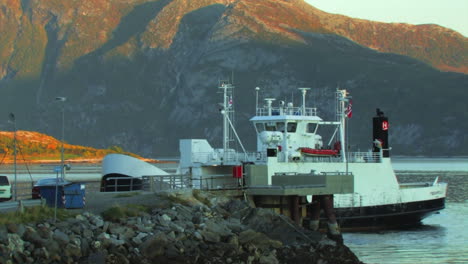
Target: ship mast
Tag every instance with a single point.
(341, 99)
(304, 91)
(228, 115)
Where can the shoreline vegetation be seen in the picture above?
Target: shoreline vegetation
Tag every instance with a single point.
(37, 148)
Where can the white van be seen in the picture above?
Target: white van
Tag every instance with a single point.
(5, 188)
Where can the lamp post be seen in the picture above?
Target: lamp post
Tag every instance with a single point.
(62, 100)
(13, 121)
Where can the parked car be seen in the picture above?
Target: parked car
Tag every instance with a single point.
(36, 190)
(5, 188)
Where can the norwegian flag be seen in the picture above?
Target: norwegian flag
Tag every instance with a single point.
(349, 109)
(230, 101)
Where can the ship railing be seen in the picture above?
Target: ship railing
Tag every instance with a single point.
(352, 157)
(364, 157)
(228, 157)
(185, 181)
(297, 111)
(166, 182)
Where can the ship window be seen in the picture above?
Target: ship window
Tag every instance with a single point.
(292, 127)
(280, 126)
(270, 127)
(311, 127)
(260, 127)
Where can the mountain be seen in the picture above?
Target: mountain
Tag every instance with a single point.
(36, 147)
(142, 74)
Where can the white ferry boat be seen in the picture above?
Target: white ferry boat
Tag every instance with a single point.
(294, 160)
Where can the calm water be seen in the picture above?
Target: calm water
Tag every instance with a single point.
(441, 239)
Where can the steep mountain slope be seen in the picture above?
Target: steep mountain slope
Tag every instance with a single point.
(142, 74)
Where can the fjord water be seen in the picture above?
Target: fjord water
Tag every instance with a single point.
(441, 239)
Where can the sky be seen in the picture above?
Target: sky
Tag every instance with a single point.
(447, 13)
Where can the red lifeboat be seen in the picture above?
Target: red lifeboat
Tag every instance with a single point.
(319, 152)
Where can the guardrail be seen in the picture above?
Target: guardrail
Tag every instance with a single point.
(15, 205)
(180, 181)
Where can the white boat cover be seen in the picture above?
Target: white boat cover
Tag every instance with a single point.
(130, 166)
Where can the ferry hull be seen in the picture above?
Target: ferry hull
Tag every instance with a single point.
(387, 216)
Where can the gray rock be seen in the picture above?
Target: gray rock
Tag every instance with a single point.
(74, 240)
(127, 234)
(326, 242)
(235, 225)
(116, 229)
(44, 231)
(210, 236)
(53, 248)
(80, 218)
(18, 229)
(233, 240)
(3, 234)
(73, 251)
(117, 258)
(197, 235)
(184, 213)
(218, 227)
(105, 226)
(260, 240)
(163, 221)
(154, 246)
(136, 241)
(77, 229)
(32, 236)
(176, 227)
(268, 259)
(88, 233)
(96, 221)
(197, 218)
(141, 235)
(85, 247)
(96, 244)
(103, 236)
(171, 235)
(60, 236)
(116, 242)
(165, 217)
(15, 243)
(144, 229)
(97, 258)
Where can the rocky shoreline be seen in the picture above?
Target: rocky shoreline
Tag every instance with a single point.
(181, 227)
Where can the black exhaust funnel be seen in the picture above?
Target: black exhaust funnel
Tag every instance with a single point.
(380, 133)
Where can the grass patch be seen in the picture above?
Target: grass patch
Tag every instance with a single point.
(127, 194)
(33, 214)
(115, 213)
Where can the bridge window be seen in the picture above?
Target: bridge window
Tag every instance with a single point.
(260, 127)
(270, 127)
(311, 127)
(292, 127)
